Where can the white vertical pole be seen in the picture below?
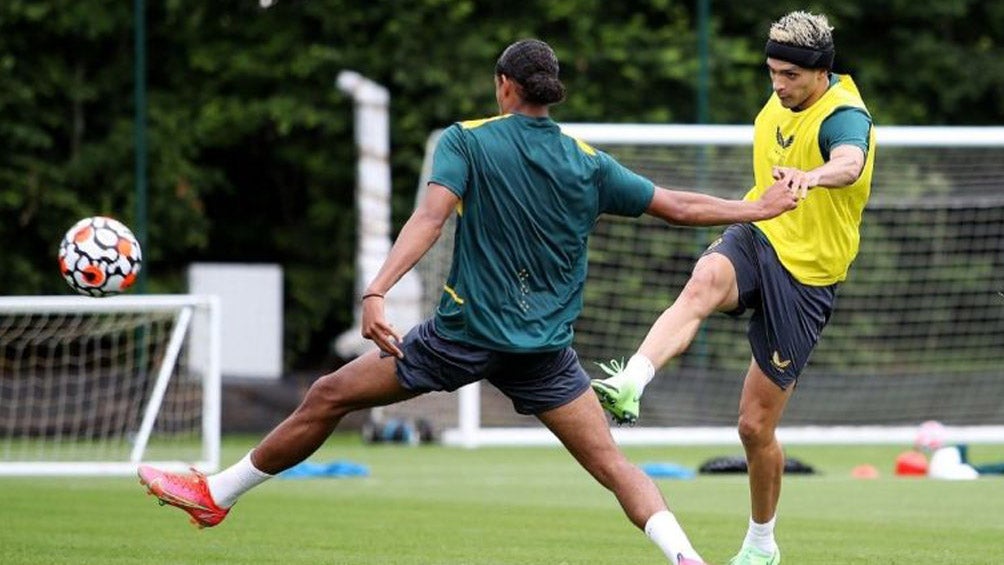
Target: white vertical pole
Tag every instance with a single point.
(373, 192)
(212, 385)
(470, 414)
(160, 387)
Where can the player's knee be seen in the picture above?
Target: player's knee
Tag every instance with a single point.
(705, 290)
(754, 432)
(325, 399)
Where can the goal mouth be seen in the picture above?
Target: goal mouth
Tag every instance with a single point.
(99, 386)
(916, 332)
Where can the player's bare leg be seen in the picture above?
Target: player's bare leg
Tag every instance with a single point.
(582, 428)
(760, 408)
(365, 382)
(712, 287)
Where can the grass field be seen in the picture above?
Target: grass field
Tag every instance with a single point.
(443, 506)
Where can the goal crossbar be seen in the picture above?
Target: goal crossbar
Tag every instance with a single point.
(98, 386)
(915, 176)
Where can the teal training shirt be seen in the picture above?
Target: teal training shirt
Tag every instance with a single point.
(530, 196)
(845, 126)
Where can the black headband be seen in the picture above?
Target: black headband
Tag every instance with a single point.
(802, 56)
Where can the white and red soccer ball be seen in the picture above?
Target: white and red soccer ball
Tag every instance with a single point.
(100, 256)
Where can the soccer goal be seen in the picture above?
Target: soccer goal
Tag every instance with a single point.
(918, 330)
(97, 386)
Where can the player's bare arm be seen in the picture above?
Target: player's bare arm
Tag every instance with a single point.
(416, 238)
(843, 169)
(686, 208)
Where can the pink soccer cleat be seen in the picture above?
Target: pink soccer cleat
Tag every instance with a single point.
(186, 491)
(685, 561)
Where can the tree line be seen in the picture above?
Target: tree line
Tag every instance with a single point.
(251, 156)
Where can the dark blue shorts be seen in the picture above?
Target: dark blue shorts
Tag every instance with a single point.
(535, 382)
(788, 316)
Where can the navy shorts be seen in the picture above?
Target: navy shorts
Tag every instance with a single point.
(535, 382)
(788, 316)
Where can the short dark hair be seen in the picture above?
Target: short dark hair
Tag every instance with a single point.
(533, 64)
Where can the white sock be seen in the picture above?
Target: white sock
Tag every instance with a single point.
(761, 536)
(227, 485)
(638, 371)
(663, 529)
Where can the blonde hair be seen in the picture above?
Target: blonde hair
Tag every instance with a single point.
(802, 29)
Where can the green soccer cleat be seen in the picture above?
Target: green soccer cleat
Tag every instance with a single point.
(622, 401)
(750, 555)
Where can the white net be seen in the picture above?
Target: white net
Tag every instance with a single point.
(100, 385)
(918, 330)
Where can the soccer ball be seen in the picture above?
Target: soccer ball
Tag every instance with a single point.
(99, 256)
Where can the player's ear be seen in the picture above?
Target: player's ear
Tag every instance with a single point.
(505, 91)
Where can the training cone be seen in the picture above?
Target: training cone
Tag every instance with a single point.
(911, 464)
(865, 472)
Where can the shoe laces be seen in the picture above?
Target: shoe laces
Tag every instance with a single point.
(613, 366)
(193, 483)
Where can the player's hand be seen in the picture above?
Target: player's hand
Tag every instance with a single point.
(376, 328)
(801, 181)
(780, 196)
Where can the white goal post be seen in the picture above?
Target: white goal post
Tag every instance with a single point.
(918, 330)
(97, 386)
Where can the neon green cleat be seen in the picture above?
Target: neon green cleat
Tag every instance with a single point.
(750, 555)
(622, 401)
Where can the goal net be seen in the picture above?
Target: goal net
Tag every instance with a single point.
(97, 386)
(917, 333)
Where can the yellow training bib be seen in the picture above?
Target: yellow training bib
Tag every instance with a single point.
(817, 241)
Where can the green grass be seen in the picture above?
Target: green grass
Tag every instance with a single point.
(434, 505)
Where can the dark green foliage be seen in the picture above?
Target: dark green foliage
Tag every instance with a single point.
(250, 144)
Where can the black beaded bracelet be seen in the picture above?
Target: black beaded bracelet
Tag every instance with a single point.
(371, 295)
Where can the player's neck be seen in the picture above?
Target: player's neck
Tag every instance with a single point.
(532, 110)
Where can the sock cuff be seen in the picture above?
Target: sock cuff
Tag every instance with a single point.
(759, 533)
(642, 366)
(254, 470)
(658, 518)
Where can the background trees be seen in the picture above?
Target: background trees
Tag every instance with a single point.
(250, 144)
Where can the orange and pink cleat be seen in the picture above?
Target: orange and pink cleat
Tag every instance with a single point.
(187, 491)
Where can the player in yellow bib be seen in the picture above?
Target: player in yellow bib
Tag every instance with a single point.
(786, 270)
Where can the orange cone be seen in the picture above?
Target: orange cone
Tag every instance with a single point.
(911, 463)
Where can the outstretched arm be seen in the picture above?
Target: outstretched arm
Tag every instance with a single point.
(695, 209)
(417, 236)
(843, 169)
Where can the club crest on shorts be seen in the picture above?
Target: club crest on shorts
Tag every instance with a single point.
(778, 363)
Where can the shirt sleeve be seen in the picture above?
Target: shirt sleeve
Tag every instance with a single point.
(449, 161)
(845, 126)
(622, 192)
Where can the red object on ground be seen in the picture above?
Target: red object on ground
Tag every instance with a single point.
(911, 463)
(865, 472)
